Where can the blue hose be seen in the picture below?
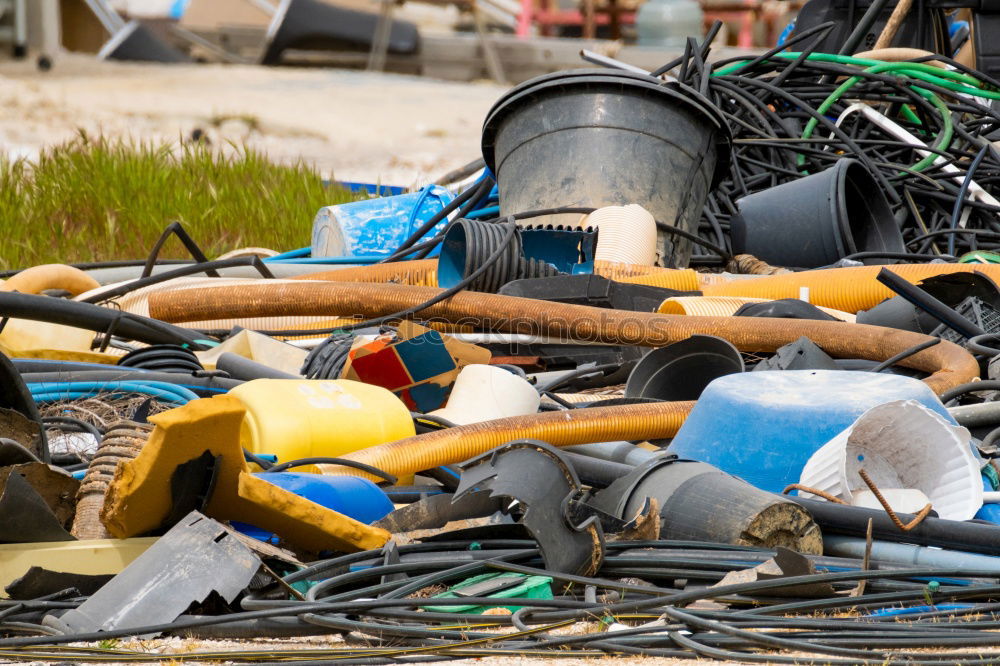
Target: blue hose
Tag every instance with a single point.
(491, 211)
(50, 391)
(291, 254)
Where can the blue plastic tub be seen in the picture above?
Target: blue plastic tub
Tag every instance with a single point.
(764, 426)
(376, 227)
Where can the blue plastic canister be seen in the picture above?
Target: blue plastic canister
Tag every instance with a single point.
(352, 496)
(376, 227)
(764, 426)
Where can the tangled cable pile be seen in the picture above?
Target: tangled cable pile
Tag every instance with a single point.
(923, 127)
(378, 603)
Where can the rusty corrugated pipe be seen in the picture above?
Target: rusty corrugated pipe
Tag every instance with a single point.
(948, 364)
(420, 272)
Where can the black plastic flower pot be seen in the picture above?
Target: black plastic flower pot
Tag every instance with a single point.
(596, 138)
(681, 371)
(817, 220)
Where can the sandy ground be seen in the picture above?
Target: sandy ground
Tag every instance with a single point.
(352, 125)
(168, 647)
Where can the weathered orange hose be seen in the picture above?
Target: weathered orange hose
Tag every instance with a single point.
(564, 428)
(37, 279)
(848, 289)
(948, 364)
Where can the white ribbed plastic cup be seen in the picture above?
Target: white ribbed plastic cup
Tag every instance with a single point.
(626, 234)
(484, 393)
(901, 444)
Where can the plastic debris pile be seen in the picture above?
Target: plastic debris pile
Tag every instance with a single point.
(699, 363)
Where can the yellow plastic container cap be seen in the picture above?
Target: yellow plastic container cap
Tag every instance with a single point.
(305, 418)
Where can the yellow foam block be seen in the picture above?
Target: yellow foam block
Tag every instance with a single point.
(91, 557)
(139, 499)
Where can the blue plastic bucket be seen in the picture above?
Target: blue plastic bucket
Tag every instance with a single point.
(764, 426)
(376, 227)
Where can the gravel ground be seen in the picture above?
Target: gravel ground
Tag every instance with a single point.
(357, 126)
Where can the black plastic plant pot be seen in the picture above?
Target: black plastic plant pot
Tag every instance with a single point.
(683, 370)
(817, 220)
(597, 138)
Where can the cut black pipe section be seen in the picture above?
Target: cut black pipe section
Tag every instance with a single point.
(929, 304)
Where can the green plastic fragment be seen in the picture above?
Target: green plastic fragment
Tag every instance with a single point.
(528, 587)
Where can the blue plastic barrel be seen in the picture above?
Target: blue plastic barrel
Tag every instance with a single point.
(352, 496)
(764, 426)
(376, 227)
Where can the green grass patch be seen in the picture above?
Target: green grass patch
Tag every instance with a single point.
(96, 199)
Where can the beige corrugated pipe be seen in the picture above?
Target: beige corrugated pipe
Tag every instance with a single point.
(37, 279)
(724, 306)
(948, 364)
(563, 428)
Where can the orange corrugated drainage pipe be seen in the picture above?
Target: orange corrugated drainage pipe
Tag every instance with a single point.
(564, 428)
(37, 279)
(947, 364)
(423, 273)
(848, 289)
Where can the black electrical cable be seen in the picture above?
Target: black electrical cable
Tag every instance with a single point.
(980, 344)
(502, 247)
(96, 318)
(990, 440)
(970, 387)
(564, 379)
(902, 256)
(263, 463)
(554, 397)
(353, 464)
(79, 425)
(906, 353)
(472, 193)
(850, 45)
(963, 191)
(178, 230)
(206, 267)
(118, 263)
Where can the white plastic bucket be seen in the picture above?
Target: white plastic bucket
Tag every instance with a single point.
(484, 392)
(901, 445)
(625, 234)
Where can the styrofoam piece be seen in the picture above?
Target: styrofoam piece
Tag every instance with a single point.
(902, 500)
(484, 392)
(901, 445)
(625, 234)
